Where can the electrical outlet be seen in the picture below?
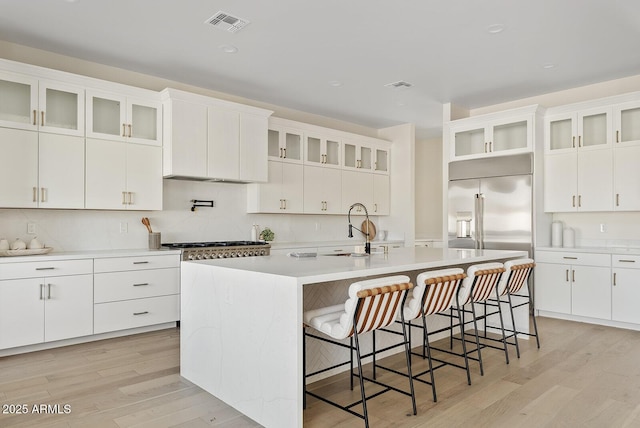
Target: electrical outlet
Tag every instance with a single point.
(603, 227)
(124, 227)
(31, 228)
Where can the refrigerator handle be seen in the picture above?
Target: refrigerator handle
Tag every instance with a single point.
(479, 221)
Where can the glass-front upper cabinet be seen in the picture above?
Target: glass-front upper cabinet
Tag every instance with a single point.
(285, 144)
(322, 151)
(120, 118)
(358, 156)
(627, 123)
(477, 138)
(584, 129)
(41, 105)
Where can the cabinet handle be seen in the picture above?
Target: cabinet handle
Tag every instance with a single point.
(485, 147)
(124, 134)
(42, 118)
(141, 263)
(579, 201)
(566, 275)
(491, 146)
(45, 268)
(573, 142)
(43, 197)
(285, 203)
(48, 291)
(626, 261)
(35, 116)
(614, 279)
(41, 291)
(124, 198)
(579, 140)
(141, 313)
(375, 208)
(617, 136)
(35, 194)
(570, 258)
(284, 150)
(130, 198)
(617, 199)
(129, 126)
(141, 284)
(573, 275)
(573, 201)
(280, 152)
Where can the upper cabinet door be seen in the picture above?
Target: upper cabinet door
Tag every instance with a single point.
(106, 116)
(626, 119)
(469, 142)
(285, 144)
(18, 101)
(61, 108)
(579, 130)
(144, 122)
(322, 151)
(357, 155)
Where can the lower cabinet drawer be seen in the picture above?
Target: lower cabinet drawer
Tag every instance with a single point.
(115, 286)
(135, 313)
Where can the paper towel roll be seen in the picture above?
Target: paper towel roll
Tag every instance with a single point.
(568, 238)
(556, 234)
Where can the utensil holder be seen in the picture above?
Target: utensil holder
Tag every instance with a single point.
(154, 241)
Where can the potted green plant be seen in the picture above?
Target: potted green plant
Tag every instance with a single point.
(267, 234)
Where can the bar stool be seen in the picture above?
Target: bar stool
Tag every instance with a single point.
(372, 304)
(481, 282)
(517, 273)
(434, 294)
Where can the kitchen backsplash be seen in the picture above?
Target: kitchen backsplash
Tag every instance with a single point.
(77, 230)
(621, 229)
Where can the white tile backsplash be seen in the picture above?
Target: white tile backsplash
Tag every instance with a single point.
(622, 229)
(77, 230)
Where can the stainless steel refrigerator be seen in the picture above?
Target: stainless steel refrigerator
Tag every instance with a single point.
(491, 203)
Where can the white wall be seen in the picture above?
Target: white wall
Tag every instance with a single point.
(428, 191)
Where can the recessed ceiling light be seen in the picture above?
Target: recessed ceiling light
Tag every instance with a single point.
(335, 83)
(495, 28)
(230, 49)
(548, 66)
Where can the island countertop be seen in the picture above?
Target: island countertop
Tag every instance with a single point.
(336, 267)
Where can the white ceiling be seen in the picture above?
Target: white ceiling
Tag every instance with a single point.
(292, 49)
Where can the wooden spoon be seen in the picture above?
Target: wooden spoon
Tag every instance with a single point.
(147, 223)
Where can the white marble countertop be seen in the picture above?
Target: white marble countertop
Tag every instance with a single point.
(320, 244)
(329, 268)
(602, 250)
(88, 254)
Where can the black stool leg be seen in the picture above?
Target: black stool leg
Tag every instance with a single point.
(407, 351)
(533, 314)
(426, 343)
(351, 361)
(364, 398)
(475, 327)
(513, 323)
(504, 337)
(304, 368)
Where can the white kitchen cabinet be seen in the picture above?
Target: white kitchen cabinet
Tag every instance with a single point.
(381, 194)
(358, 155)
(481, 137)
(206, 138)
(50, 168)
(283, 193)
(45, 301)
(573, 283)
(582, 129)
(119, 117)
(285, 144)
(626, 178)
(579, 181)
(123, 176)
(322, 151)
(34, 104)
(133, 292)
(626, 118)
(322, 190)
(357, 187)
(626, 288)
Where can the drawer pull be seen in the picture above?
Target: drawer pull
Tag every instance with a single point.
(140, 263)
(570, 258)
(141, 284)
(626, 261)
(45, 268)
(141, 313)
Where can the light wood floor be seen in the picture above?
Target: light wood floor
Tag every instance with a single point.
(583, 376)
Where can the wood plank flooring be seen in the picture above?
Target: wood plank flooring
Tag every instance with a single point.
(583, 376)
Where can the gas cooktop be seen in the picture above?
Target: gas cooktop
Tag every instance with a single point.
(220, 249)
(214, 244)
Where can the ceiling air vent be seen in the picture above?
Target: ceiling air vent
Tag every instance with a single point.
(399, 84)
(228, 22)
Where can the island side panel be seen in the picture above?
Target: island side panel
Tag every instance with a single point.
(241, 340)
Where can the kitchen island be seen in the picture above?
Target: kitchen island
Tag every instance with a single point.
(241, 324)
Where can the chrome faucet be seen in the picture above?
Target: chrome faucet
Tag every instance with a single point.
(367, 244)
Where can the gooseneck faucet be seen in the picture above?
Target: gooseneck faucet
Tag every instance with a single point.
(367, 244)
